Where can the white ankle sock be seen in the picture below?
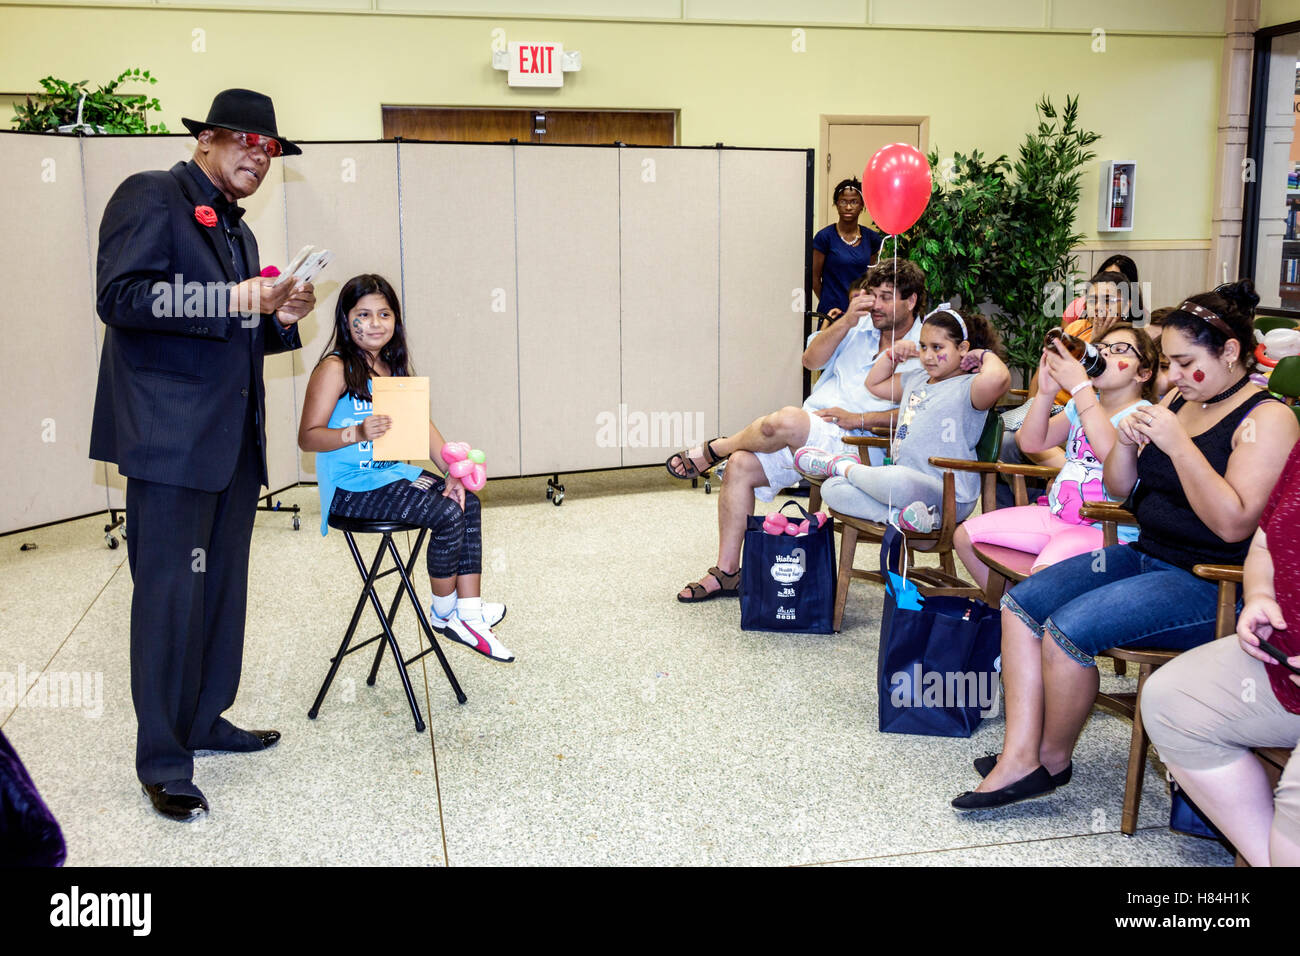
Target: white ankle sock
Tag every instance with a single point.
(843, 465)
(443, 606)
(470, 608)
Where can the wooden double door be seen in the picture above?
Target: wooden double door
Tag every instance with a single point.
(571, 127)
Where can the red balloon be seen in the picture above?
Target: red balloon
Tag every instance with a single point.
(896, 187)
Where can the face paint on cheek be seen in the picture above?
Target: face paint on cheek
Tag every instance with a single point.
(1123, 365)
(1198, 376)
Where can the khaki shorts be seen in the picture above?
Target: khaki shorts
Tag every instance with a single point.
(778, 466)
(1210, 705)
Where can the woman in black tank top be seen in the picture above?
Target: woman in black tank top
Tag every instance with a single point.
(1199, 468)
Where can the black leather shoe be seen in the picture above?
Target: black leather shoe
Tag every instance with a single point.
(243, 741)
(984, 766)
(1035, 784)
(178, 799)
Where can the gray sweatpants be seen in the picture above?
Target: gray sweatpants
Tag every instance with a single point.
(880, 492)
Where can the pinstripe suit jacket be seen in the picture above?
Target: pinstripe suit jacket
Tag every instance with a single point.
(177, 372)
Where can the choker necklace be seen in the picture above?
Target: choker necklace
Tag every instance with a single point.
(1227, 393)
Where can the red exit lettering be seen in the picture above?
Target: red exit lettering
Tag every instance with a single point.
(535, 59)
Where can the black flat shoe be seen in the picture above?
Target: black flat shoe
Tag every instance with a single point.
(177, 799)
(243, 741)
(1035, 784)
(984, 766)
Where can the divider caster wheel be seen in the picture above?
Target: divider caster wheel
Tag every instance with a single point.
(296, 523)
(708, 487)
(555, 490)
(111, 541)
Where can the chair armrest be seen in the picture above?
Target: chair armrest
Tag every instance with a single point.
(1219, 572)
(1106, 511)
(883, 431)
(963, 464)
(866, 441)
(1045, 472)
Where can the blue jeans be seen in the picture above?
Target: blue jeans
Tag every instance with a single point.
(1116, 597)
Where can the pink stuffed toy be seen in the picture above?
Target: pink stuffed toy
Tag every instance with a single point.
(465, 463)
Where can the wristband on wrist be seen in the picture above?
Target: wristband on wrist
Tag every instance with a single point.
(1079, 388)
(349, 435)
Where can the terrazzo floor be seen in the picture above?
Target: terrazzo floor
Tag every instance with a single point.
(631, 730)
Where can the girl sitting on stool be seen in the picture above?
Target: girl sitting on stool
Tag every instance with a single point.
(338, 424)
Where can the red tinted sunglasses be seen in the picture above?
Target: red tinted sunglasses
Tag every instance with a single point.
(271, 146)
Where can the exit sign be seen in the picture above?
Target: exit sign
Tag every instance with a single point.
(536, 64)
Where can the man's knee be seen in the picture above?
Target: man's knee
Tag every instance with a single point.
(744, 469)
(785, 423)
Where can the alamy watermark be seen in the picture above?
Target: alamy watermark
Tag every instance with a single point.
(660, 429)
(918, 688)
(75, 690)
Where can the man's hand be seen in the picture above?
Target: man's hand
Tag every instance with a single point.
(258, 296)
(859, 306)
(300, 302)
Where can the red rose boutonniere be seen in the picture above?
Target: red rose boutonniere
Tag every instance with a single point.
(206, 215)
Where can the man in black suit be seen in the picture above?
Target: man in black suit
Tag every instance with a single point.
(180, 408)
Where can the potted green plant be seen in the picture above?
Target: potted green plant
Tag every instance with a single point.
(72, 108)
(1001, 236)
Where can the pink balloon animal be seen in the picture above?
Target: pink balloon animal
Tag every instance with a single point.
(465, 463)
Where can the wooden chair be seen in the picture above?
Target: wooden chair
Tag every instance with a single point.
(1147, 659)
(930, 581)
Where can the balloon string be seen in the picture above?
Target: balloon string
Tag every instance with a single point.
(893, 413)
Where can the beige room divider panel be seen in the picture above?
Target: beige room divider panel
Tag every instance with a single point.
(568, 305)
(49, 352)
(458, 250)
(107, 162)
(342, 196)
(669, 255)
(764, 203)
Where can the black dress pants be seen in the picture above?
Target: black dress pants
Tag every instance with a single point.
(188, 552)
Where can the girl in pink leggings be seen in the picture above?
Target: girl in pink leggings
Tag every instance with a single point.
(1053, 530)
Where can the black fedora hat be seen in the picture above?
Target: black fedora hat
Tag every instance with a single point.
(243, 111)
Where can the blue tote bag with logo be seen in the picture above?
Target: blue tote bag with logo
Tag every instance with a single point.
(935, 671)
(787, 583)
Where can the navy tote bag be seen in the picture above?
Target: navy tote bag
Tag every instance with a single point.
(935, 670)
(787, 583)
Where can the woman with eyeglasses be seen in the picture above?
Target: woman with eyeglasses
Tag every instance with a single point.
(842, 251)
(1054, 531)
(1197, 470)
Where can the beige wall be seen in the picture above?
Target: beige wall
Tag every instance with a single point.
(1153, 97)
(1273, 12)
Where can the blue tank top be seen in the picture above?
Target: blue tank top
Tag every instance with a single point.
(353, 467)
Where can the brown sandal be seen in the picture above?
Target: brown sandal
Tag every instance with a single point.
(729, 587)
(686, 457)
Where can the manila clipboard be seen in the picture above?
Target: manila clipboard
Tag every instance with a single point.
(406, 401)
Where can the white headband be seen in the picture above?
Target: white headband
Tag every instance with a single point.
(953, 312)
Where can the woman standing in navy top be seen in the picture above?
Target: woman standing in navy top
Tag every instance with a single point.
(842, 251)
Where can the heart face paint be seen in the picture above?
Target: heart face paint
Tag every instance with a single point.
(1123, 365)
(1198, 376)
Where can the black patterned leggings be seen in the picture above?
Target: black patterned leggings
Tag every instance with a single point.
(455, 537)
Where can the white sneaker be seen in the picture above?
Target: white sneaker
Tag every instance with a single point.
(493, 613)
(476, 636)
(918, 516)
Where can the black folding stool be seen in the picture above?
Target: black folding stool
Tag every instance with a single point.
(349, 527)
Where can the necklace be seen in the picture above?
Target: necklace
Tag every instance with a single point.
(1227, 393)
(856, 239)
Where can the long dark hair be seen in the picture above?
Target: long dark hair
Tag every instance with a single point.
(356, 369)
